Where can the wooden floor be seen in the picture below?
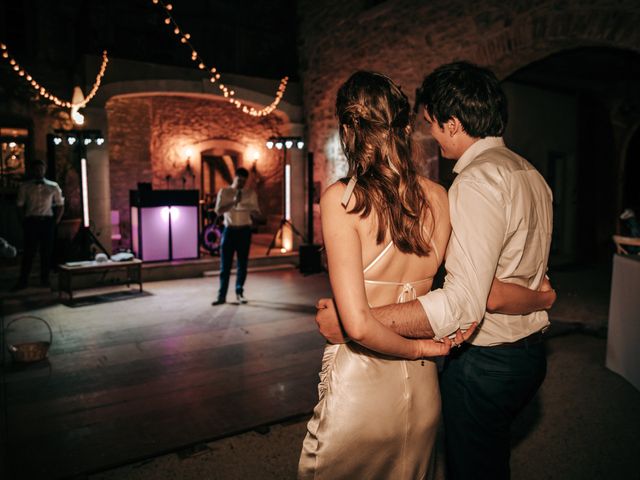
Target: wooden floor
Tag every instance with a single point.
(136, 378)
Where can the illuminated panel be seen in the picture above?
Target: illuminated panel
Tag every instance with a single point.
(135, 241)
(155, 234)
(85, 192)
(184, 232)
(287, 192)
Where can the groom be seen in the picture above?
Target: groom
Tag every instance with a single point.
(501, 216)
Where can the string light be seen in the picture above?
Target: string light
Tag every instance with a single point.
(214, 74)
(48, 95)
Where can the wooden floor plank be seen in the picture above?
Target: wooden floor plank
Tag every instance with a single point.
(133, 379)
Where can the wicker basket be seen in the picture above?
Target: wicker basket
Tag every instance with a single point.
(30, 351)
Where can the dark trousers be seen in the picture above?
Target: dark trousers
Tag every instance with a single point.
(483, 389)
(37, 231)
(234, 239)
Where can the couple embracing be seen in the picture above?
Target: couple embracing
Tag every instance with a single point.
(386, 231)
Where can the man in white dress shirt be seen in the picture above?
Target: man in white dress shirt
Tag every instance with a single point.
(501, 216)
(41, 204)
(237, 204)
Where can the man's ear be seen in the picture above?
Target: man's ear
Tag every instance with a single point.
(453, 126)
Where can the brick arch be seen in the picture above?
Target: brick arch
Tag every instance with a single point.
(192, 89)
(541, 35)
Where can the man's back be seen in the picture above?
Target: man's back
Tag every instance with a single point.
(527, 202)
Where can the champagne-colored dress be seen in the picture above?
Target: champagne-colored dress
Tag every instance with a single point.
(376, 417)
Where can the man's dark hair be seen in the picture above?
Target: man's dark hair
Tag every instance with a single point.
(242, 172)
(470, 93)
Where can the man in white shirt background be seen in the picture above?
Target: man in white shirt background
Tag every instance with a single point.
(501, 216)
(237, 204)
(41, 205)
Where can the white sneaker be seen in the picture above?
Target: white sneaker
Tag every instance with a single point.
(241, 298)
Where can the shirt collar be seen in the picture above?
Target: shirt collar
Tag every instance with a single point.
(476, 149)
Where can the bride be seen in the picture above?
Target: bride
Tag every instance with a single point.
(385, 231)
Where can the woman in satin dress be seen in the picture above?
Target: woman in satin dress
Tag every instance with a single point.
(385, 231)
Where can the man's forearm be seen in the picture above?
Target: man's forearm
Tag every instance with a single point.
(225, 207)
(407, 319)
(58, 212)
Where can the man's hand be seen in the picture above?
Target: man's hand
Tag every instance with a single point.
(328, 321)
(546, 287)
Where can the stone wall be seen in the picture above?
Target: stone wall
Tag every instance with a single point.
(406, 39)
(151, 138)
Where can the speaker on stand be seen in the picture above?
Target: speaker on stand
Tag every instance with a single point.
(310, 253)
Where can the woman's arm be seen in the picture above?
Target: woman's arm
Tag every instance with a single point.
(344, 254)
(512, 299)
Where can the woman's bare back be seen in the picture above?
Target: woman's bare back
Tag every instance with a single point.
(385, 264)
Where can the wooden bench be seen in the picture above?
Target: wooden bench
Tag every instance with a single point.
(132, 268)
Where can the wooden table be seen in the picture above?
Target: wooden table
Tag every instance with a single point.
(132, 268)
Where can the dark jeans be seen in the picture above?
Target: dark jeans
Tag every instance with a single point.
(37, 231)
(483, 389)
(234, 239)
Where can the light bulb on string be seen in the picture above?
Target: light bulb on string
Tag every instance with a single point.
(184, 39)
(43, 92)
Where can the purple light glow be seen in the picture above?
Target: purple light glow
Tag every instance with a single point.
(184, 232)
(154, 233)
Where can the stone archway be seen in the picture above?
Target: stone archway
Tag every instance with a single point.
(158, 138)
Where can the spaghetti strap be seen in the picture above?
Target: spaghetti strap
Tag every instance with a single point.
(346, 196)
(380, 255)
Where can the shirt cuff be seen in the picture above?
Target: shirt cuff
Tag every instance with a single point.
(435, 306)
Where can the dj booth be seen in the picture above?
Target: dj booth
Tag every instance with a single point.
(164, 224)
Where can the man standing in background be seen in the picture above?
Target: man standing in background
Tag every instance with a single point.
(41, 206)
(237, 204)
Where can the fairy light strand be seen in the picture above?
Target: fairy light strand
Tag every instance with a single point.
(214, 75)
(21, 72)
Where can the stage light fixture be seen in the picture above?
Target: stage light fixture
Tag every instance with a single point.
(285, 144)
(99, 141)
(71, 140)
(87, 141)
(57, 140)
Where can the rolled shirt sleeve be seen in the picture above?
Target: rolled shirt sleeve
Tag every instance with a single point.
(479, 223)
(58, 199)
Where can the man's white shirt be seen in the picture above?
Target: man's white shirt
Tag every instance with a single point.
(38, 197)
(501, 215)
(239, 215)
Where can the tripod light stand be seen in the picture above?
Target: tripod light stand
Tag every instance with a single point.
(284, 144)
(79, 140)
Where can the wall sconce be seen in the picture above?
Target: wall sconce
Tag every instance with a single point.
(188, 171)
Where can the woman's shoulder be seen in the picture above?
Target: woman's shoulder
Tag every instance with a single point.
(435, 193)
(331, 198)
(335, 190)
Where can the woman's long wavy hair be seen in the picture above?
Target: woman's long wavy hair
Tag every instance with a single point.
(375, 132)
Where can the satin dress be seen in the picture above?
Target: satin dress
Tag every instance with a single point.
(376, 417)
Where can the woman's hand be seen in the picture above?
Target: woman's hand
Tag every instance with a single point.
(550, 293)
(434, 348)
